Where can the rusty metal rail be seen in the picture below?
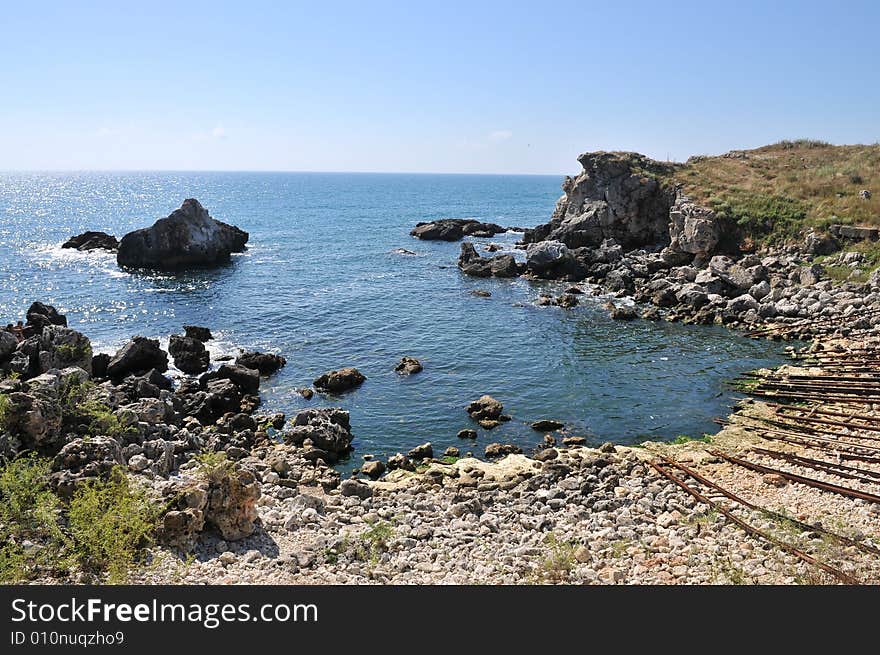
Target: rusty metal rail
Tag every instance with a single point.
(800, 479)
(755, 532)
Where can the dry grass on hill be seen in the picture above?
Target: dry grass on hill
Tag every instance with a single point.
(776, 191)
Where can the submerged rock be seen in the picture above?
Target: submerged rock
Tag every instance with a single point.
(188, 237)
(547, 425)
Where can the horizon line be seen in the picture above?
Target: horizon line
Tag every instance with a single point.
(261, 170)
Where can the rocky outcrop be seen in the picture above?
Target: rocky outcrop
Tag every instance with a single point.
(92, 241)
(616, 196)
(247, 380)
(453, 229)
(40, 315)
(341, 380)
(138, 356)
(552, 259)
(190, 355)
(471, 263)
(265, 363)
(187, 238)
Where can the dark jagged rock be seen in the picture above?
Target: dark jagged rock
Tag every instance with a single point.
(453, 229)
(340, 380)
(409, 366)
(92, 241)
(187, 238)
(328, 430)
(99, 365)
(202, 334)
(190, 355)
(246, 379)
(265, 363)
(40, 315)
(471, 263)
(138, 356)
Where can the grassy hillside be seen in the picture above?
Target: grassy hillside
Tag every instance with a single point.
(777, 191)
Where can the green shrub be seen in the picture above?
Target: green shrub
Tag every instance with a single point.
(30, 535)
(214, 465)
(683, 438)
(4, 412)
(110, 521)
(80, 407)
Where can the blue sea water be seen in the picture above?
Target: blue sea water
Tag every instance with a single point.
(322, 285)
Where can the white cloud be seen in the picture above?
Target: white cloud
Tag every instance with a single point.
(219, 132)
(500, 135)
(105, 132)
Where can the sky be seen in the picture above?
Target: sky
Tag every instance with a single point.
(466, 87)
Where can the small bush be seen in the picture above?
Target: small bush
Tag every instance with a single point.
(30, 536)
(80, 407)
(684, 438)
(373, 542)
(4, 412)
(110, 521)
(559, 561)
(214, 465)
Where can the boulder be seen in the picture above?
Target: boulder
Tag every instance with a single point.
(265, 363)
(198, 333)
(232, 502)
(453, 229)
(693, 229)
(138, 356)
(40, 315)
(485, 407)
(495, 450)
(408, 366)
(547, 425)
(92, 241)
(83, 458)
(355, 488)
(373, 469)
(550, 259)
(340, 380)
(327, 429)
(188, 237)
(400, 461)
(424, 451)
(190, 355)
(8, 345)
(811, 275)
(247, 380)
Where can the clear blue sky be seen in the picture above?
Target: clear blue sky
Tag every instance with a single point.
(472, 86)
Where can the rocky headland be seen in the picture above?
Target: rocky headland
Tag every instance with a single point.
(634, 227)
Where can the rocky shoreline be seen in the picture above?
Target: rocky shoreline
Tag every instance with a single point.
(617, 227)
(252, 497)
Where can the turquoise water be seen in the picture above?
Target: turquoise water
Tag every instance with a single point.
(321, 284)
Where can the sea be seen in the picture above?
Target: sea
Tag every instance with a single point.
(326, 281)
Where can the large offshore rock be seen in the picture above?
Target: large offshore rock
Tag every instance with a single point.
(189, 237)
(92, 241)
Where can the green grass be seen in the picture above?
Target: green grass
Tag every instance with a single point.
(71, 353)
(4, 412)
(684, 438)
(776, 192)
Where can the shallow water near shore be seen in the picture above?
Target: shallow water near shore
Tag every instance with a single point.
(322, 285)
